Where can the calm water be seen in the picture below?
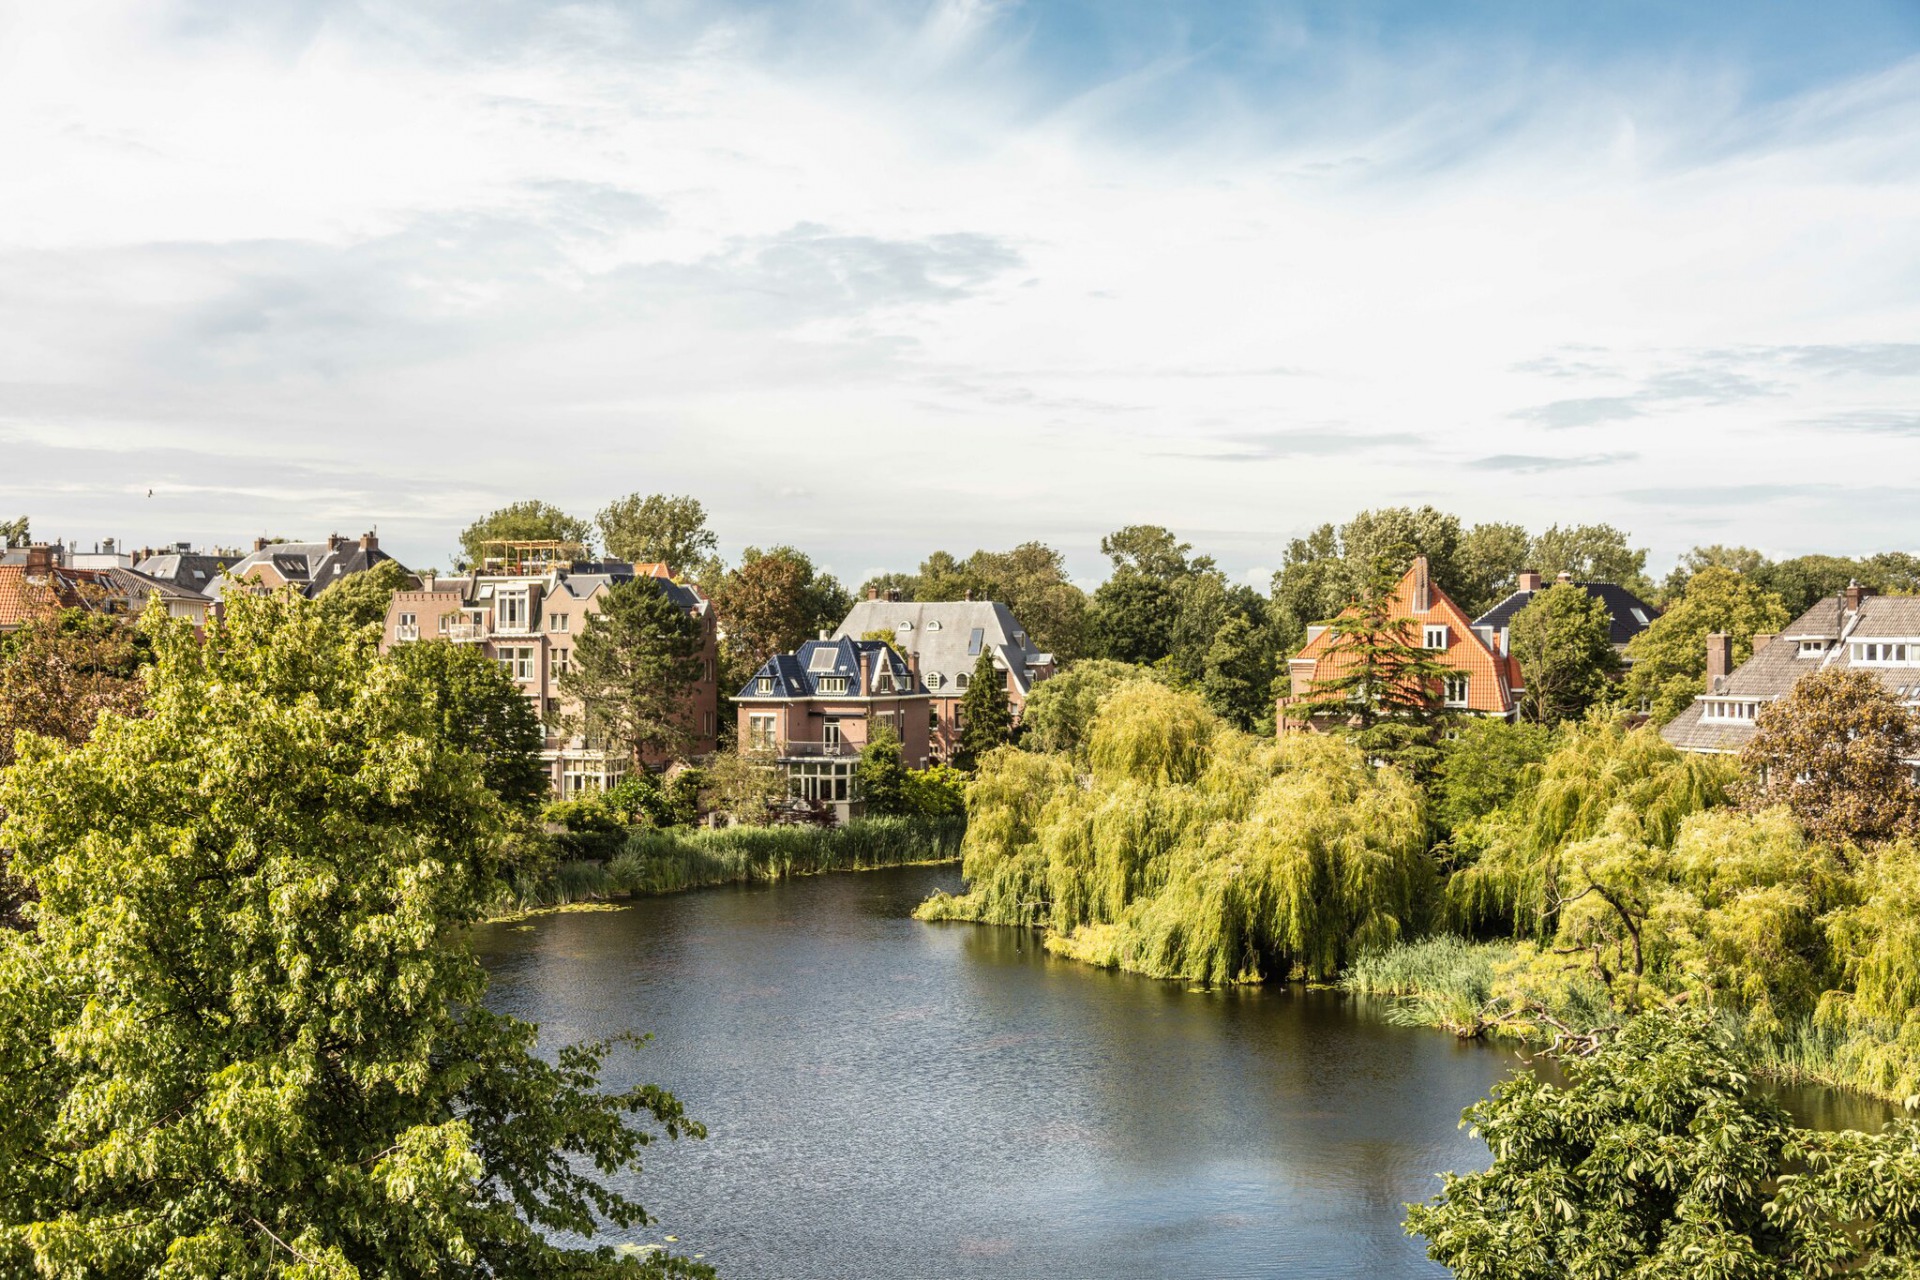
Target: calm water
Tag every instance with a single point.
(887, 1098)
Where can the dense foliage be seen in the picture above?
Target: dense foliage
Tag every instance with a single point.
(633, 671)
(1566, 655)
(1834, 751)
(656, 528)
(529, 521)
(1670, 657)
(244, 1035)
(1192, 850)
(361, 599)
(1656, 1161)
(1031, 580)
(769, 603)
(986, 712)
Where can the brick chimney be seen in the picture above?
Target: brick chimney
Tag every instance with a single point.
(969, 595)
(333, 541)
(1564, 576)
(1422, 586)
(369, 543)
(1529, 580)
(873, 593)
(1761, 639)
(259, 544)
(893, 595)
(1855, 594)
(1719, 658)
(39, 559)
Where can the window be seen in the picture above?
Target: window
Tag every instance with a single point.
(562, 661)
(1640, 616)
(409, 626)
(825, 782)
(1456, 690)
(830, 734)
(518, 661)
(763, 684)
(975, 640)
(935, 679)
(962, 680)
(931, 626)
(1812, 648)
(824, 659)
(579, 776)
(1436, 636)
(883, 680)
(510, 611)
(833, 684)
(558, 621)
(908, 626)
(1882, 652)
(760, 731)
(446, 621)
(706, 723)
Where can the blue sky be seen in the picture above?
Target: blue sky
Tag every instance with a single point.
(879, 278)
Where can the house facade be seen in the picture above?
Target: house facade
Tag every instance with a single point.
(308, 567)
(942, 641)
(36, 584)
(1479, 681)
(1855, 629)
(813, 711)
(526, 612)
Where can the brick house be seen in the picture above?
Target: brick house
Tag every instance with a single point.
(34, 583)
(1481, 683)
(943, 640)
(1855, 629)
(812, 711)
(525, 610)
(308, 567)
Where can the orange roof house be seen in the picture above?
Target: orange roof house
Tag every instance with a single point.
(1484, 684)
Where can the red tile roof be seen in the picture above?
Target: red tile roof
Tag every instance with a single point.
(1490, 681)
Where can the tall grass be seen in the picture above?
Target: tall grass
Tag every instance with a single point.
(658, 861)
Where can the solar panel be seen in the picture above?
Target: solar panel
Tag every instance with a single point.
(824, 659)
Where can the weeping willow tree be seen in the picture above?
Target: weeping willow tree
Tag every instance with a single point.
(1603, 779)
(1190, 850)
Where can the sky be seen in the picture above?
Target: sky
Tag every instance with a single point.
(873, 279)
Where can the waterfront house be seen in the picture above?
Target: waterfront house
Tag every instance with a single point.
(1854, 629)
(943, 641)
(812, 712)
(525, 607)
(1480, 681)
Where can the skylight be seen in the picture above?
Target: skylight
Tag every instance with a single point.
(824, 659)
(975, 640)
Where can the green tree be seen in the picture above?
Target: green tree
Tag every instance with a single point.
(15, 533)
(937, 791)
(742, 788)
(633, 671)
(1059, 712)
(1742, 560)
(361, 599)
(1492, 557)
(1398, 534)
(246, 1035)
(470, 699)
(657, 528)
(1669, 658)
(882, 770)
(1134, 611)
(1804, 579)
(60, 674)
(986, 713)
(1308, 586)
(1483, 765)
(1382, 689)
(1591, 553)
(772, 602)
(1834, 752)
(1659, 1161)
(1031, 580)
(1566, 655)
(1238, 678)
(529, 521)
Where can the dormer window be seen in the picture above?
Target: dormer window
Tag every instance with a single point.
(935, 679)
(1812, 648)
(833, 684)
(824, 659)
(1436, 636)
(962, 680)
(908, 626)
(1456, 689)
(763, 685)
(933, 625)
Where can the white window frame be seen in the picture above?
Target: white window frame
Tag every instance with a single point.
(1434, 636)
(763, 684)
(1457, 690)
(833, 684)
(763, 731)
(558, 621)
(562, 661)
(518, 660)
(513, 610)
(830, 735)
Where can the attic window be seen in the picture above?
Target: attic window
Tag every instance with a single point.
(906, 626)
(935, 679)
(1436, 636)
(931, 626)
(962, 680)
(1639, 616)
(975, 640)
(833, 684)
(825, 659)
(1812, 648)
(763, 685)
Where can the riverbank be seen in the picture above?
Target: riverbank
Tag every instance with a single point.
(657, 861)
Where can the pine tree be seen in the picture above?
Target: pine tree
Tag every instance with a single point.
(1384, 690)
(633, 668)
(986, 717)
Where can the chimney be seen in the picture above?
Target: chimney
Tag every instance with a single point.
(1422, 586)
(259, 544)
(1761, 639)
(913, 669)
(825, 634)
(39, 559)
(969, 595)
(1719, 659)
(333, 541)
(1563, 576)
(369, 543)
(873, 593)
(1855, 594)
(893, 595)
(1529, 580)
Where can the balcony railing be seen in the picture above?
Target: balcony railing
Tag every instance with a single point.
(466, 632)
(406, 633)
(818, 750)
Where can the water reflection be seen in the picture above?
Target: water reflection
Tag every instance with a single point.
(888, 1098)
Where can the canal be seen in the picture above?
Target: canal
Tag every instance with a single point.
(887, 1098)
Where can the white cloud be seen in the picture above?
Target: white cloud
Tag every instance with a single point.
(901, 292)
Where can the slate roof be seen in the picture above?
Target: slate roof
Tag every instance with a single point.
(193, 571)
(940, 633)
(798, 674)
(1772, 672)
(311, 566)
(1621, 603)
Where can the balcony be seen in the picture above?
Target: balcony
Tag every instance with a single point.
(406, 633)
(467, 632)
(818, 750)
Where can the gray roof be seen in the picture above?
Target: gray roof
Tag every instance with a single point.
(1772, 672)
(578, 582)
(193, 571)
(1624, 623)
(312, 566)
(798, 674)
(941, 635)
